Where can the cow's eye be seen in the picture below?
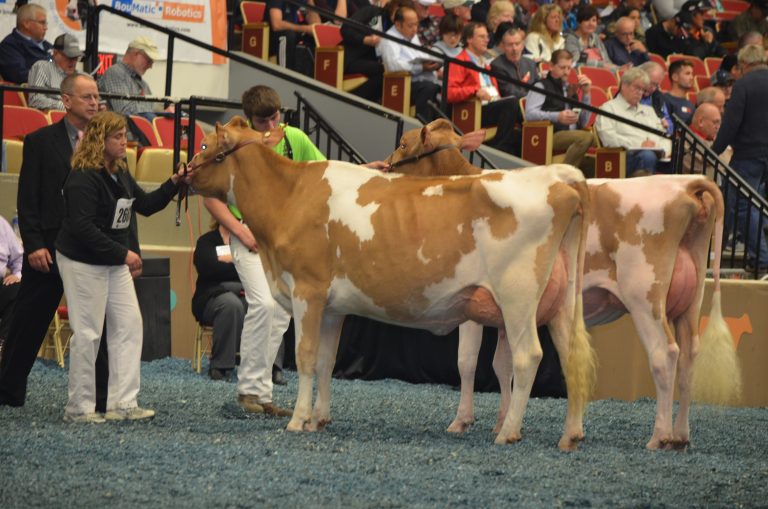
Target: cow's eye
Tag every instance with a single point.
(203, 147)
(402, 146)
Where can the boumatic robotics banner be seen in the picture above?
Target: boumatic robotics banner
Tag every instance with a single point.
(203, 20)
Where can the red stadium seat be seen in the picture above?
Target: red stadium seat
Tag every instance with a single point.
(19, 121)
(702, 82)
(164, 129)
(329, 59)
(734, 5)
(255, 37)
(146, 127)
(600, 77)
(712, 64)
(12, 97)
(56, 115)
(599, 97)
(655, 57)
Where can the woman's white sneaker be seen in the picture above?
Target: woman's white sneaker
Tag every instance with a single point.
(129, 414)
(92, 418)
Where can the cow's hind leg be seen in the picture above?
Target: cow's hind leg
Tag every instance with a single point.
(330, 333)
(307, 318)
(662, 353)
(688, 341)
(502, 366)
(470, 340)
(526, 356)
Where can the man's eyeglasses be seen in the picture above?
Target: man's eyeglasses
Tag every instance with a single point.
(41, 22)
(86, 97)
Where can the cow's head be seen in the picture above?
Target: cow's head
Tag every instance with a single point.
(430, 141)
(216, 164)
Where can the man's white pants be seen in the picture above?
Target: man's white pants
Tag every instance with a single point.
(93, 291)
(263, 328)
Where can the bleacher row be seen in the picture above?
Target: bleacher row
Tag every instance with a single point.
(147, 163)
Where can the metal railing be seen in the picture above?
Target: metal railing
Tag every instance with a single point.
(746, 210)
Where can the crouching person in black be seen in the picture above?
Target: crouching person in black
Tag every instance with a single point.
(219, 299)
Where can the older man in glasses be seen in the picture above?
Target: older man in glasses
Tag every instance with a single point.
(50, 73)
(25, 45)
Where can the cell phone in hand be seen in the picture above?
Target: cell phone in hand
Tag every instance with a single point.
(576, 110)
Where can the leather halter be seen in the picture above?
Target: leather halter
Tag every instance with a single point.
(414, 159)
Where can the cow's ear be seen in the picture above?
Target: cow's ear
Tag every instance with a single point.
(440, 124)
(425, 137)
(472, 141)
(223, 136)
(238, 121)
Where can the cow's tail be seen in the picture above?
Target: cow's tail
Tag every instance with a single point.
(581, 366)
(716, 376)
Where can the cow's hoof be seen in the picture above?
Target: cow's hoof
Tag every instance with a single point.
(458, 426)
(656, 444)
(509, 439)
(317, 425)
(569, 444)
(679, 445)
(295, 425)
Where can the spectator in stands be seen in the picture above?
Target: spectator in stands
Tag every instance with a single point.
(25, 45)
(513, 64)
(466, 84)
(429, 25)
(360, 47)
(665, 37)
(545, 37)
(11, 256)
(644, 149)
(98, 265)
(126, 78)
(422, 67)
(502, 11)
(584, 43)
(653, 96)
(636, 10)
(723, 80)
(745, 129)
(700, 40)
(666, 9)
(567, 123)
(623, 49)
(50, 73)
(706, 122)
(450, 36)
(714, 96)
(524, 13)
(290, 28)
(460, 8)
(751, 20)
(681, 78)
(219, 299)
(570, 23)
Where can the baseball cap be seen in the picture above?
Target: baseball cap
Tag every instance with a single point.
(68, 45)
(146, 45)
(721, 78)
(692, 6)
(450, 4)
(427, 3)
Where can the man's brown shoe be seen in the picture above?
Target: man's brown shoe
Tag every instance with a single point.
(250, 403)
(272, 409)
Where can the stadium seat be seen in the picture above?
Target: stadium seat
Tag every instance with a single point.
(156, 165)
(164, 129)
(56, 115)
(12, 97)
(712, 64)
(18, 121)
(255, 29)
(329, 59)
(14, 150)
(655, 57)
(600, 77)
(396, 92)
(702, 82)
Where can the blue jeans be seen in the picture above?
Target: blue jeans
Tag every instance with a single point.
(754, 172)
(641, 160)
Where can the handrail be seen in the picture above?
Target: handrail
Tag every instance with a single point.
(344, 150)
(690, 154)
(469, 65)
(92, 51)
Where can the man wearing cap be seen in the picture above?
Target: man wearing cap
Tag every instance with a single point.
(462, 9)
(745, 128)
(665, 38)
(429, 25)
(701, 40)
(50, 73)
(126, 78)
(25, 45)
(723, 80)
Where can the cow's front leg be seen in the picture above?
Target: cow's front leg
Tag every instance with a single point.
(470, 340)
(307, 316)
(526, 356)
(330, 333)
(502, 366)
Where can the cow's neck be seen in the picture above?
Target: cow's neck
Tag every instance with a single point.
(446, 163)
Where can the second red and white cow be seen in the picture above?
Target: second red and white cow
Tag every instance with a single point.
(338, 239)
(647, 250)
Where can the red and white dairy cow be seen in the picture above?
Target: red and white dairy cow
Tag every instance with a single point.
(647, 249)
(338, 239)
